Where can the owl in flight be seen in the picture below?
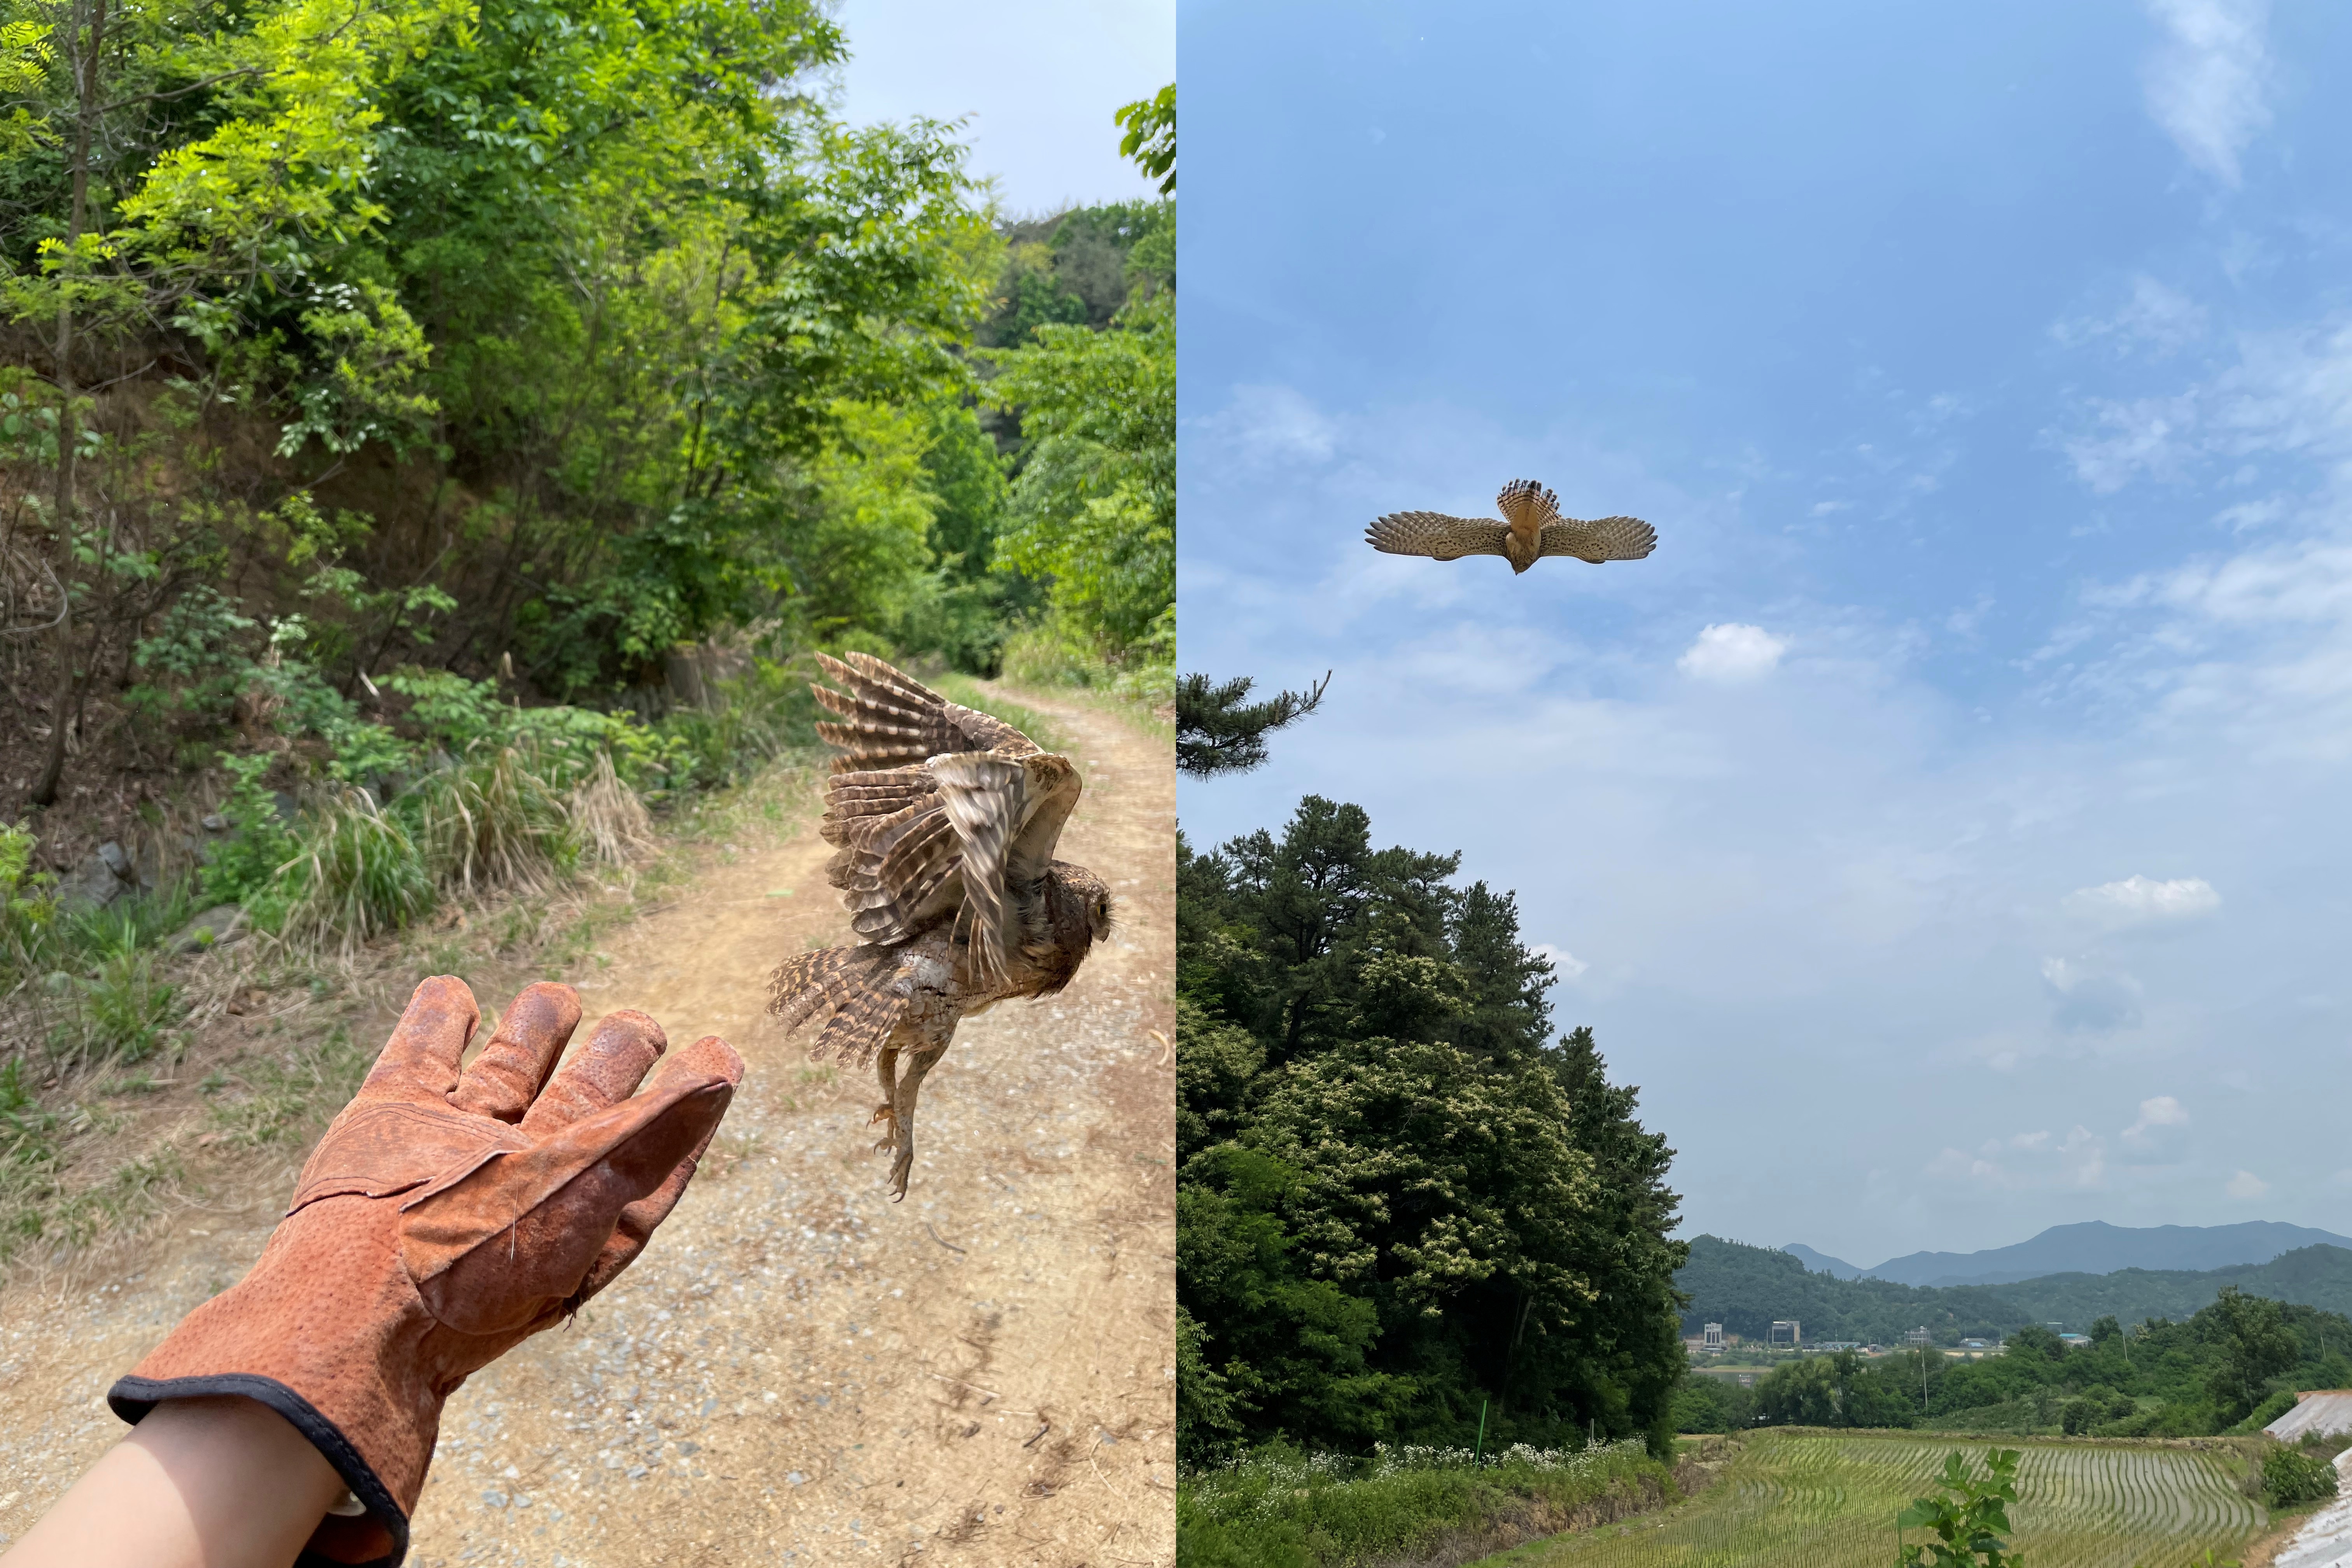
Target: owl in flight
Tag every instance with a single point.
(1532, 526)
(945, 820)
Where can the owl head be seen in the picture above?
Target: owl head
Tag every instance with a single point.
(1079, 906)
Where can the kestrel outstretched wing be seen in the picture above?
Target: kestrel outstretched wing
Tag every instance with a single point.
(1008, 814)
(1436, 535)
(893, 721)
(1603, 538)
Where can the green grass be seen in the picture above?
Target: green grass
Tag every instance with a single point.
(1810, 1499)
(1282, 1508)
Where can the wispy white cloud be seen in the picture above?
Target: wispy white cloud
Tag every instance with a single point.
(2154, 318)
(2160, 1136)
(1732, 653)
(1564, 963)
(2245, 1186)
(2138, 901)
(1271, 424)
(2209, 80)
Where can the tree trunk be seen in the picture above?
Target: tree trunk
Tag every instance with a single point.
(84, 41)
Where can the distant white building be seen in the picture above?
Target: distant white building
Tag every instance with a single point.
(1919, 1336)
(1785, 1332)
(1711, 1339)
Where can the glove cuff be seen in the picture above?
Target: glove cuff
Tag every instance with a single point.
(378, 1539)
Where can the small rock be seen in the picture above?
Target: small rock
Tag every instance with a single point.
(217, 927)
(494, 1498)
(215, 822)
(92, 885)
(116, 860)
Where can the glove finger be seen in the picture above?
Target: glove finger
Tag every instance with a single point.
(600, 1075)
(420, 1061)
(512, 1245)
(512, 1068)
(710, 1055)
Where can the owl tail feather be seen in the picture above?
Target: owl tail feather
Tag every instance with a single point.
(852, 984)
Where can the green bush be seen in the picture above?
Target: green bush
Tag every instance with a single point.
(258, 841)
(1282, 1508)
(2291, 1477)
(358, 872)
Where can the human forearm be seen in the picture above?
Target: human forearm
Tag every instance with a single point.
(199, 1483)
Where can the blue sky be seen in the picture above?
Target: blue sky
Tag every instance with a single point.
(1039, 80)
(1950, 827)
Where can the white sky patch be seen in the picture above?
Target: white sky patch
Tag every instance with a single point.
(2160, 1136)
(1273, 424)
(1732, 653)
(2156, 318)
(1039, 82)
(2141, 901)
(2245, 1186)
(2207, 83)
(1566, 965)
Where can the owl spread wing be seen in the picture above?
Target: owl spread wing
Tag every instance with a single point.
(1008, 814)
(1602, 539)
(974, 807)
(1434, 535)
(893, 721)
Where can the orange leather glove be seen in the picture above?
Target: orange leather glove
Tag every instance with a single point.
(444, 1217)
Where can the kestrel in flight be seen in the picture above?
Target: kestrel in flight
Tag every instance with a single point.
(1532, 528)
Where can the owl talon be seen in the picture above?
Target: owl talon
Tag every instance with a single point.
(900, 1168)
(886, 1119)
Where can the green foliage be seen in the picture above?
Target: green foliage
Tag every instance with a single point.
(1838, 1390)
(2255, 1346)
(1968, 1516)
(1401, 1197)
(259, 841)
(1150, 139)
(1283, 1507)
(2292, 1477)
(1094, 507)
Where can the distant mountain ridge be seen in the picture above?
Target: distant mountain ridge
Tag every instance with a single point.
(2093, 1246)
(1746, 1288)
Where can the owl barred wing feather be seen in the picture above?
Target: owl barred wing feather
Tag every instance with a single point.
(892, 721)
(1008, 814)
(1602, 539)
(1434, 535)
(853, 984)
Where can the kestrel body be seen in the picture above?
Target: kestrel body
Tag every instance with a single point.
(1532, 528)
(946, 821)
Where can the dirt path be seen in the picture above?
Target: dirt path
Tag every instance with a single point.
(798, 1371)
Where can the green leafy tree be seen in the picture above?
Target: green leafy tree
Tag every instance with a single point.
(1347, 1013)
(2255, 1344)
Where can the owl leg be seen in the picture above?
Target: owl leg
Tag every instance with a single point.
(886, 1067)
(903, 1125)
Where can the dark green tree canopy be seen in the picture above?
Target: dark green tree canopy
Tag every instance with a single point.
(1373, 1044)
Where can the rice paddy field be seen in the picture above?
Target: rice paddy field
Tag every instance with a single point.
(1819, 1500)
